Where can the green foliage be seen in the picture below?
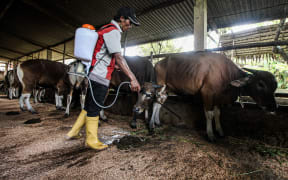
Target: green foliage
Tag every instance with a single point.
(279, 69)
(159, 48)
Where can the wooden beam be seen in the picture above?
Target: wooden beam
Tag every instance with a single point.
(251, 45)
(13, 51)
(50, 48)
(49, 54)
(5, 57)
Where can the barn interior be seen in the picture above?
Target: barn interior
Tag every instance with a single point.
(255, 145)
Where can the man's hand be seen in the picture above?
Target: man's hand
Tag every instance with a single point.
(135, 86)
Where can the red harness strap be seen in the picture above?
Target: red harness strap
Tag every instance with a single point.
(104, 29)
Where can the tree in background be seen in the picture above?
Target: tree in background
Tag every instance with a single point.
(160, 47)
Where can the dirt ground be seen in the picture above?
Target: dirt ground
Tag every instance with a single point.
(33, 147)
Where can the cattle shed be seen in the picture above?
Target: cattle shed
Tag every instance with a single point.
(45, 29)
(32, 146)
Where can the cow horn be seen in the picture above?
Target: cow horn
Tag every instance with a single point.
(156, 86)
(251, 70)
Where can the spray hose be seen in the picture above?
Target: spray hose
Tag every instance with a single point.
(91, 90)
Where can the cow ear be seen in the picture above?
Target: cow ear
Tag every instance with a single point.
(240, 82)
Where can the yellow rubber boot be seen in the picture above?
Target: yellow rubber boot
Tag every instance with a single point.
(74, 132)
(92, 134)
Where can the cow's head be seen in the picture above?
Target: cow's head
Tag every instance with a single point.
(150, 93)
(260, 85)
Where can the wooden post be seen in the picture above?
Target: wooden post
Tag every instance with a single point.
(49, 54)
(200, 25)
(64, 51)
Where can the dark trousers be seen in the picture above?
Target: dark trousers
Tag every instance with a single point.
(99, 92)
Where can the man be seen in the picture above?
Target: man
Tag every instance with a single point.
(106, 52)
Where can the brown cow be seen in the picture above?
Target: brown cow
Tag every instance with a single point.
(217, 80)
(43, 73)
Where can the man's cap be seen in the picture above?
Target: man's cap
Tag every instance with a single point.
(129, 13)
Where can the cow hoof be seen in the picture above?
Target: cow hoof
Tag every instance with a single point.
(151, 132)
(221, 135)
(60, 108)
(133, 125)
(104, 120)
(158, 125)
(212, 139)
(34, 112)
(66, 115)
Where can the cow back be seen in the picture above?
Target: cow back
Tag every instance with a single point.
(140, 66)
(189, 73)
(44, 73)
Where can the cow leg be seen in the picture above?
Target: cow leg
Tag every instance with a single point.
(35, 92)
(27, 102)
(133, 123)
(41, 94)
(152, 120)
(10, 93)
(69, 99)
(155, 116)
(147, 118)
(82, 100)
(57, 101)
(21, 102)
(16, 92)
(209, 117)
(157, 119)
(217, 121)
(60, 102)
(102, 116)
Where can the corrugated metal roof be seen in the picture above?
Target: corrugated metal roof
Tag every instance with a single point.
(33, 25)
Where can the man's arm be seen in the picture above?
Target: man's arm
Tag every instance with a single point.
(125, 68)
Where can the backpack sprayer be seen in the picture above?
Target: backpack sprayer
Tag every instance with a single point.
(85, 41)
